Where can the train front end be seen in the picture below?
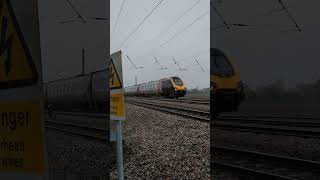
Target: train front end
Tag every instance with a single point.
(226, 88)
(179, 88)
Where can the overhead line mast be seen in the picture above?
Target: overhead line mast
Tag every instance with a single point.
(133, 63)
(284, 8)
(79, 16)
(161, 67)
(199, 64)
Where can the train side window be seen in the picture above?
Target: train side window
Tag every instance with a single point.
(169, 84)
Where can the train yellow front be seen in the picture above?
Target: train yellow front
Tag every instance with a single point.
(226, 87)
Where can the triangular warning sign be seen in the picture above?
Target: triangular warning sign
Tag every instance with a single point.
(115, 82)
(17, 68)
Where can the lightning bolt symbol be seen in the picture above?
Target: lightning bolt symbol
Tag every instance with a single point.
(5, 46)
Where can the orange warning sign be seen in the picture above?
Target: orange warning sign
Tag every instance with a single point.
(115, 82)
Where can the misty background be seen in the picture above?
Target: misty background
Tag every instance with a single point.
(62, 43)
(265, 52)
(183, 24)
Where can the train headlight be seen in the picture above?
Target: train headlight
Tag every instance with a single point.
(240, 85)
(179, 88)
(213, 86)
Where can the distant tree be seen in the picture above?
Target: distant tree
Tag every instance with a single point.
(277, 92)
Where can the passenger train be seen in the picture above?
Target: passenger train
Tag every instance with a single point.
(171, 87)
(83, 92)
(226, 88)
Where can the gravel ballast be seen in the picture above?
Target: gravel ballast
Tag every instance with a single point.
(73, 157)
(163, 146)
(296, 147)
(274, 144)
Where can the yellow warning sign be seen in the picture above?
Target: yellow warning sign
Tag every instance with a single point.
(115, 82)
(16, 65)
(21, 137)
(117, 104)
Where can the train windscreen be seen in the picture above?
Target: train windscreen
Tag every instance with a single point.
(220, 65)
(177, 81)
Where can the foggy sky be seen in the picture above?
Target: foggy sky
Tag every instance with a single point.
(144, 45)
(264, 53)
(61, 44)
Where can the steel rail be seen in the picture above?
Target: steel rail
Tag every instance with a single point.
(189, 113)
(271, 117)
(277, 162)
(189, 101)
(81, 114)
(79, 130)
(266, 129)
(289, 122)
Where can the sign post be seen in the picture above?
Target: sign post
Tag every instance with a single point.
(22, 149)
(117, 112)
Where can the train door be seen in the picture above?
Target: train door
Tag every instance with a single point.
(138, 90)
(167, 87)
(159, 88)
(163, 88)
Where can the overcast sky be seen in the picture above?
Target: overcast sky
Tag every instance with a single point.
(62, 43)
(161, 25)
(263, 53)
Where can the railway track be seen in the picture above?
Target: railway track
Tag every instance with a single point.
(186, 100)
(279, 121)
(256, 165)
(186, 112)
(307, 128)
(263, 125)
(271, 117)
(81, 125)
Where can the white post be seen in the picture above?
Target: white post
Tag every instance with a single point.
(119, 152)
